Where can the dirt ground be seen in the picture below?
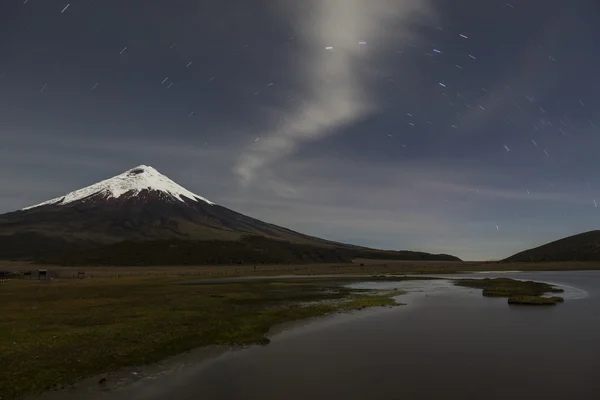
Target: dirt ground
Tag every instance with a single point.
(357, 267)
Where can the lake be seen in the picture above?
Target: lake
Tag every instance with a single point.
(446, 343)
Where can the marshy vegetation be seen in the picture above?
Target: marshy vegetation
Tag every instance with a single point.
(56, 333)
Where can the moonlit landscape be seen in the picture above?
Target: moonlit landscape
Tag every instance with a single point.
(316, 199)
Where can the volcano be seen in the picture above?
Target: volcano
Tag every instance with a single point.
(142, 217)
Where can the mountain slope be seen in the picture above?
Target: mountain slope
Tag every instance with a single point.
(582, 247)
(123, 214)
(140, 204)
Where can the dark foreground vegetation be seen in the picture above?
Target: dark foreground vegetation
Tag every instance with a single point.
(518, 292)
(57, 333)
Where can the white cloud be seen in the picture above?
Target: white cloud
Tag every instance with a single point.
(336, 90)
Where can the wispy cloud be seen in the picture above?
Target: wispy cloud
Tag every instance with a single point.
(503, 194)
(333, 42)
(413, 184)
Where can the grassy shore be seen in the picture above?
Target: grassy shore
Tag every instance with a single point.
(54, 334)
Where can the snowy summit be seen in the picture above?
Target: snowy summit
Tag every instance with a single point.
(131, 182)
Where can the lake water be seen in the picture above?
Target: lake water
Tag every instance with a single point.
(446, 343)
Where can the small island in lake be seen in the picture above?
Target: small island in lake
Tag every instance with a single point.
(517, 292)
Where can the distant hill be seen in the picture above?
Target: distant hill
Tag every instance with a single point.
(248, 250)
(581, 247)
(141, 217)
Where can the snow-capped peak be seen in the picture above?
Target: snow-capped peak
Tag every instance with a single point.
(131, 182)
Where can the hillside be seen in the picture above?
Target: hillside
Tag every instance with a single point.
(581, 247)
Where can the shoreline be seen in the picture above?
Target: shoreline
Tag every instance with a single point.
(198, 358)
(142, 321)
(128, 376)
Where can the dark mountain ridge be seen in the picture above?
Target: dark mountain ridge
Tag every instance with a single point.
(581, 247)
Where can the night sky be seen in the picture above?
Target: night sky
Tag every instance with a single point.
(467, 127)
